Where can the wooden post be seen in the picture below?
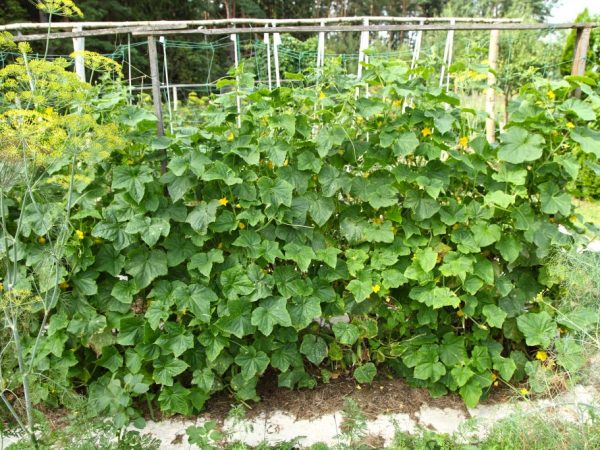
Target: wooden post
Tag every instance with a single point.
(156, 96)
(582, 43)
(79, 45)
(490, 96)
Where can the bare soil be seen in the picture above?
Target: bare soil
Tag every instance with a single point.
(385, 395)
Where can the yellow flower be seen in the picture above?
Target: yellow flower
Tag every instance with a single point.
(460, 313)
(524, 391)
(238, 206)
(285, 163)
(321, 95)
(42, 240)
(64, 285)
(65, 8)
(223, 201)
(570, 125)
(494, 376)
(463, 142)
(98, 63)
(541, 355)
(426, 132)
(377, 220)
(230, 136)
(80, 234)
(397, 103)
(376, 288)
(359, 120)
(551, 95)
(242, 225)
(1, 287)
(270, 164)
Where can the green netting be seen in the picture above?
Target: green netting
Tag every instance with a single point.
(216, 57)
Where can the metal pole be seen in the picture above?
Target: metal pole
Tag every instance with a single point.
(445, 59)
(267, 40)
(163, 41)
(79, 46)
(417, 49)
(450, 51)
(321, 49)
(238, 100)
(129, 68)
(362, 57)
(490, 96)
(276, 44)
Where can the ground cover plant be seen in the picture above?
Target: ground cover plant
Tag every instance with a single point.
(157, 271)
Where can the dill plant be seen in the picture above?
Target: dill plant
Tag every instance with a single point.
(49, 144)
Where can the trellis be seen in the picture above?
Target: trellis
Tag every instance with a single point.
(271, 31)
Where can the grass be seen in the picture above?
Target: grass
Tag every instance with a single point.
(589, 209)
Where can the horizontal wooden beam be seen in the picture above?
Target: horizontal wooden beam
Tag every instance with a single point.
(377, 28)
(244, 21)
(170, 29)
(146, 31)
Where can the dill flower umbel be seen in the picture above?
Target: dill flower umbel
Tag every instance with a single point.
(66, 8)
(6, 41)
(98, 63)
(34, 135)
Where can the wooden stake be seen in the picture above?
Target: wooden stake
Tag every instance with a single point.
(156, 96)
(582, 43)
(490, 96)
